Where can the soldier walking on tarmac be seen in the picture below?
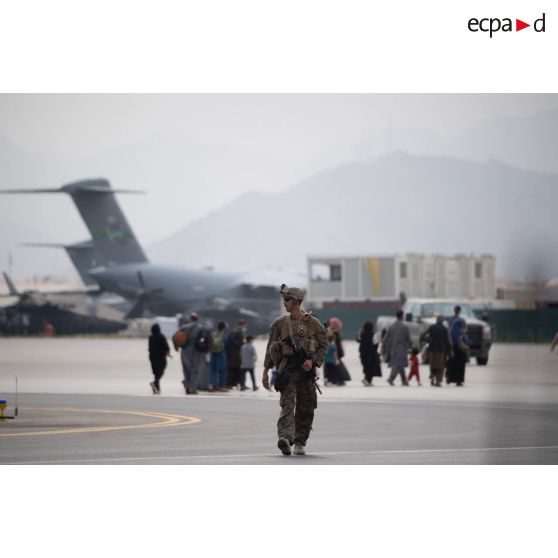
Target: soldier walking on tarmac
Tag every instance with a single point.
(297, 345)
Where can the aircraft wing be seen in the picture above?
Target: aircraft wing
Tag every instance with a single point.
(89, 189)
(12, 290)
(93, 291)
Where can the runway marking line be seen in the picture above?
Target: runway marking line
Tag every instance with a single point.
(166, 420)
(243, 456)
(432, 403)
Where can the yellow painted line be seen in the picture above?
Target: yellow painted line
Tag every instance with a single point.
(278, 455)
(165, 420)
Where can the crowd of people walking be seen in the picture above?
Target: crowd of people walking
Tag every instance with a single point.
(446, 350)
(227, 357)
(215, 360)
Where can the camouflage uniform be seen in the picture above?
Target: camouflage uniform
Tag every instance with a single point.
(298, 399)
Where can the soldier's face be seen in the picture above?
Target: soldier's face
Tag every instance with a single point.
(288, 303)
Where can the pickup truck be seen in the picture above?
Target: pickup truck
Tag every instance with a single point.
(421, 313)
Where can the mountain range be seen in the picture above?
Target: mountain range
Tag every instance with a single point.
(438, 194)
(395, 204)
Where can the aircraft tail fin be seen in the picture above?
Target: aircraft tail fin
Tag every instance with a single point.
(11, 287)
(113, 238)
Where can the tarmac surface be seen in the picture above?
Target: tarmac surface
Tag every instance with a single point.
(88, 401)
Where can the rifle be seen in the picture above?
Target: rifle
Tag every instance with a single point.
(297, 359)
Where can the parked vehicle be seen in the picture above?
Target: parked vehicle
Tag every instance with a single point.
(421, 313)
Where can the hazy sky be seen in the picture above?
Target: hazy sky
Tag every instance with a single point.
(195, 153)
(86, 125)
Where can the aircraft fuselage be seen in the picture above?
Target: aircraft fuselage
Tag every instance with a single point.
(170, 289)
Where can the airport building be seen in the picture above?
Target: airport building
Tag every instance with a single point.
(383, 279)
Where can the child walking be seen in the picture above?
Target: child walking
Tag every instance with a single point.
(331, 366)
(248, 357)
(414, 366)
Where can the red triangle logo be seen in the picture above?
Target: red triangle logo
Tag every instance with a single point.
(519, 25)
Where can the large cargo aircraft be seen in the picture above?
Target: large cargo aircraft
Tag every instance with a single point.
(114, 260)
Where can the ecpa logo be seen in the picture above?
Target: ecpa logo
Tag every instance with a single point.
(493, 25)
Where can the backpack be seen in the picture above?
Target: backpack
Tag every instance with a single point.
(180, 339)
(203, 341)
(217, 341)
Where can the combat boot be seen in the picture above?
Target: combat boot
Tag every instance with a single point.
(284, 445)
(299, 449)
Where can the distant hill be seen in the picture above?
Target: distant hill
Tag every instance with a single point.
(395, 204)
(185, 176)
(528, 143)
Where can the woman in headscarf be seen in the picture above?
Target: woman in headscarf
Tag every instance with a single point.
(368, 351)
(334, 327)
(456, 365)
(158, 352)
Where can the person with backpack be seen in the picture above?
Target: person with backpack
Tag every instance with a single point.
(190, 355)
(218, 359)
(295, 336)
